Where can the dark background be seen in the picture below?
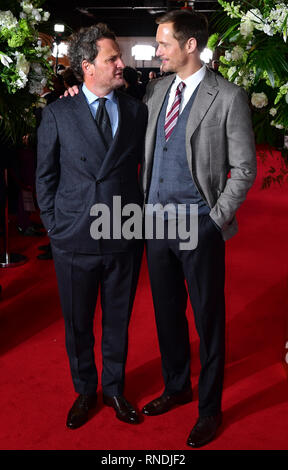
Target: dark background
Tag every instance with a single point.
(125, 18)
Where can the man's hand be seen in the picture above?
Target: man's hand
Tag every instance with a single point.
(72, 91)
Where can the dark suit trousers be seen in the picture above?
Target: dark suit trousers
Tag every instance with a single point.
(203, 272)
(80, 276)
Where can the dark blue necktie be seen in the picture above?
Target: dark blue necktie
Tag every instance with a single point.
(103, 122)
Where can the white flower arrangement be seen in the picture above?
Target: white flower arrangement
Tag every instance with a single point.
(254, 56)
(24, 66)
(16, 33)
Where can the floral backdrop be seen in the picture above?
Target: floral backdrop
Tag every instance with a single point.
(252, 43)
(24, 68)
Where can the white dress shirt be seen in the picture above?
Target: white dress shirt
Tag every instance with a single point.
(191, 84)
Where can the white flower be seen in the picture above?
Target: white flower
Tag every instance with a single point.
(246, 28)
(8, 20)
(228, 55)
(254, 15)
(44, 51)
(22, 75)
(273, 111)
(36, 14)
(22, 64)
(22, 80)
(259, 100)
(278, 126)
(46, 16)
(5, 60)
(232, 10)
(27, 7)
(19, 84)
(268, 30)
(237, 53)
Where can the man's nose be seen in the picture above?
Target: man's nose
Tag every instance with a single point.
(120, 64)
(158, 51)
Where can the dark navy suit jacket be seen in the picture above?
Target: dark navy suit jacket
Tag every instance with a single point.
(74, 171)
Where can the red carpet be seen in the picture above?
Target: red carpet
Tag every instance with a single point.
(35, 386)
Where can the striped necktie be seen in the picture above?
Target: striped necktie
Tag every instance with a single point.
(172, 116)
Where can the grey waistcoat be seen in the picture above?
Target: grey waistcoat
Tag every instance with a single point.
(171, 181)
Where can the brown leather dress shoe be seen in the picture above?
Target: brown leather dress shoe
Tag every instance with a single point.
(79, 413)
(165, 403)
(204, 430)
(124, 410)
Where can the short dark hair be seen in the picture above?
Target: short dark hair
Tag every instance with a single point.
(83, 46)
(187, 24)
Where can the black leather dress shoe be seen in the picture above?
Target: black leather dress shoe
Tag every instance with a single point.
(124, 410)
(204, 430)
(165, 403)
(79, 413)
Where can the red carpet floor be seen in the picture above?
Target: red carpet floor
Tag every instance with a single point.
(35, 386)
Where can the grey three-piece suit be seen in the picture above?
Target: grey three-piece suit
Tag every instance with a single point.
(209, 159)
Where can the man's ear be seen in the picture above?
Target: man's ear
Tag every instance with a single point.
(191, 45)
(87, 67)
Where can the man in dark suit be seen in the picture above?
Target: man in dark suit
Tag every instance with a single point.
(199, 130)
(89, 148)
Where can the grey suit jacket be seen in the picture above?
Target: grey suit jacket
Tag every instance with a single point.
(220, 145)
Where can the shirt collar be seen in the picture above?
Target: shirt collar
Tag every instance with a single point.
(91, 97)
(192, 80)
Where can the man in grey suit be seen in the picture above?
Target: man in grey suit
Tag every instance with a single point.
(89, 148)
(199, 130)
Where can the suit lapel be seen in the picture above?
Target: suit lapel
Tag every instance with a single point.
(87, 127)
(159, 94)
(157, 99)
(112, 154)
(206, 94)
